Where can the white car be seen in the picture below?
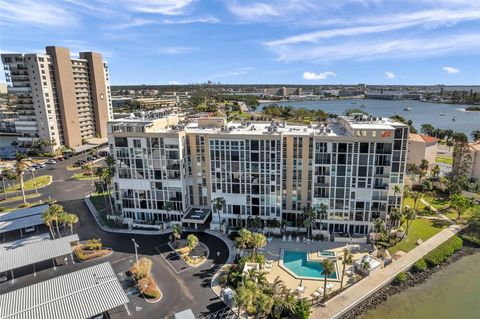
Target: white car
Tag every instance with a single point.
(51, 161)
(29, 229)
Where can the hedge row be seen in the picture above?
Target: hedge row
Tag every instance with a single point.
(442, 252)
(419, 266)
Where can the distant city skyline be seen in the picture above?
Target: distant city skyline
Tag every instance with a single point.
(418, 42)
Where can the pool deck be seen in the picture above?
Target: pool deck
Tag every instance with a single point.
(273, 252)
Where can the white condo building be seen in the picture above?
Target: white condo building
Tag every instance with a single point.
(262, 170)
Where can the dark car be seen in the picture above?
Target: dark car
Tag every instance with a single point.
(79, 163)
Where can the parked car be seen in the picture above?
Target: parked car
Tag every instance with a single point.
(60, 158)
(91, 158)
(29, 229)
(78, 163)
(51, 161)
(42, 165)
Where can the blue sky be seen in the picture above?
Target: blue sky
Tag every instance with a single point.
(270, 41)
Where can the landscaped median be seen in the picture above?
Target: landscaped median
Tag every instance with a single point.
(191, 250)
(141, 273)
(31, 184)
(90, 250)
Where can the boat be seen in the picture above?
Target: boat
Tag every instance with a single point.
(454, 119)
(362, 106)
(442, 114)
(354, 103)
(408, 108)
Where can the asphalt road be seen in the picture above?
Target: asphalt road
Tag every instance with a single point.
(188, 289)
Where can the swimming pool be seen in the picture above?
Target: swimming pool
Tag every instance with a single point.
(297, 263)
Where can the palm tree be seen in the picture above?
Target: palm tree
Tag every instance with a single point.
(168, 206)
(328, 269)
(258, 241)
(436, 171)
(19, 171)
(192, 241)
(71, 219)
(218, 204)
(410, 215)
(308, 219)
(56, 214)
(396, 189)
(47, 218)
(378, 225)
(346, 260)
(243, 239)
(475, 135)
(395, 216)
(176, 232)
(6, 173)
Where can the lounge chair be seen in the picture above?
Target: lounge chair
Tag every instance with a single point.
(316, 295)
(289, 238)
(284, 239)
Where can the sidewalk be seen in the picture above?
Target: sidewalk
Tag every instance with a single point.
(349, 298)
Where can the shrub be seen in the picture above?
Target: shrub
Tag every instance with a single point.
(149, 288)
(81, 255)
(142, 269)
(94, 244)
(442, 252)
(419, 266)
(400, 278)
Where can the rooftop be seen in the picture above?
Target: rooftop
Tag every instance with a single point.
(32, 250)
(423, 138)
(77, 295)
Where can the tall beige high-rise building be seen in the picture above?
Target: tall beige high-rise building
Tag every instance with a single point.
(59, 98)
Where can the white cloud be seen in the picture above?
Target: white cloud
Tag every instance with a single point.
(177, 50)
(37, 13)
(166, 7)
(253, 11)
(192, 20)
(408, 47)
(174, 83)
(450, 70)
(317, 76)
(390, 75)
(384, 24)
(236, 72)
(136, 22)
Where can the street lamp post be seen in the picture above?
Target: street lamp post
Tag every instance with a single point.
(135, 245)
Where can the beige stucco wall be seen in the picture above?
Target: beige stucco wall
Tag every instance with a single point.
(417, 151)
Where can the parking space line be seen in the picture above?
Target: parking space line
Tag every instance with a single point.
(168, 262)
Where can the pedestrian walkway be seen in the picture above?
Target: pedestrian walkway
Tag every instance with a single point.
(351, 297)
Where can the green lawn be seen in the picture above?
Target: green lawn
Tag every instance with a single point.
(452, 214)
(83, 177)
(409, 202)
(41, 181)
(420, 228)
(19, 197)
(444, 159)
(98, 201)
(72, 168)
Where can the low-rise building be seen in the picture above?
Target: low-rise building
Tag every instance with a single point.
(475, 157)
(422, 147)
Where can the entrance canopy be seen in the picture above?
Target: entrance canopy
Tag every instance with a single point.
(32, 250)
(77, 295)
(196, 216)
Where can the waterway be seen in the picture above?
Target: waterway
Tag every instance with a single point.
(420, 113)
(453, 292)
